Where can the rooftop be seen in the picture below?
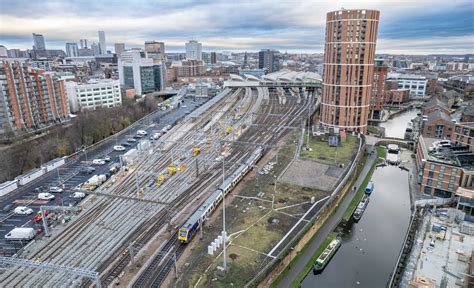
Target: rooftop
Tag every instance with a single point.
(442, 151)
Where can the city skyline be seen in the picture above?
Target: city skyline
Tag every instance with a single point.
(424, 27)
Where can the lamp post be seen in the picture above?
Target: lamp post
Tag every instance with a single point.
(224, 233)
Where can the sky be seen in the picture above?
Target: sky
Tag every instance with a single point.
(296, 26)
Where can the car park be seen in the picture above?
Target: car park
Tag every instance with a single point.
(119, 148)
(23, 210)
(55, 189)
(45, 196)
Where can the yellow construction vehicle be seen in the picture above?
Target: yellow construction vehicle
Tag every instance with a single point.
(160, 180)
(171, 170)
(228, 129)
(196, 151)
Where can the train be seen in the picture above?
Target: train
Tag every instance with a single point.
(197, 218)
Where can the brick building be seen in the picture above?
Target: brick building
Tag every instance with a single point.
(437, 124)
(378, 89)
(349, 55)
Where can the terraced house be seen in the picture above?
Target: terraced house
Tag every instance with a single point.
(30, 99)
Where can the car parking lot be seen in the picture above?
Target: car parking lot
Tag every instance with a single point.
(74, 173)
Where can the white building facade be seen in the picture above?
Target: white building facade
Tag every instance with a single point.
(416, 83)
(96, 93)
(136, 71)
(72, 50)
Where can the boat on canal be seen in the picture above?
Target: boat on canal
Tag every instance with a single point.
(361, 208)
(370, 188)
(326, 256)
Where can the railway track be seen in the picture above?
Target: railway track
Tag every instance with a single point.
(157, 271)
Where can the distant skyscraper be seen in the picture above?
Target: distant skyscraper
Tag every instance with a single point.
(269, 60)
(83, 43)
(348, 68)
(119, 48)
(213, 58)
(102, 44)
(3, 52)
(155, 49)
(193, 50)
(95, 48)
(72, 50)
(38, 40)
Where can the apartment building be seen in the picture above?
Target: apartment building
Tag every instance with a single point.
(96, 93)
(30, 98)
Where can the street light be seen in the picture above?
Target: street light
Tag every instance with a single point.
(224, 233)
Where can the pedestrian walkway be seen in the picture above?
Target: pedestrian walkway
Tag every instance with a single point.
(327, 228)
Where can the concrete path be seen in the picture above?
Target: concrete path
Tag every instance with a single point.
(327, 228)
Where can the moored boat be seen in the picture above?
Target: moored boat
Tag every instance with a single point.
(370, 188)
(361, 208)
(326, 256)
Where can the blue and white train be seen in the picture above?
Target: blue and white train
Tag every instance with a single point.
(192, 224)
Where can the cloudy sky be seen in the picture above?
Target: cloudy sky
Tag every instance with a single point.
(405, 27)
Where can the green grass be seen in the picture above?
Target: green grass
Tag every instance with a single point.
(372, 129)
(381, 152)
(322, 152)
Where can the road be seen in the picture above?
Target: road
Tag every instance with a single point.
(327, 228)
(70, 176)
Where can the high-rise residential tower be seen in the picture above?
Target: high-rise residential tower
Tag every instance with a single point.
(83, 43)
(38, 40)
(102, 44)
(193, 50)
(268, 60)
(348, 68)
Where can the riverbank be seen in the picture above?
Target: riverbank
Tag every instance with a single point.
(300, 261)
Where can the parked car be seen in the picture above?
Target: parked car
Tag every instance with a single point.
(106, 158)
(45, 196)
(55, 189)
(100, 161)
(78, 195)
(8, 207)
(126, 144)
(23, 210)
(119, 148)
(142, 132)
(86, 170)
(41, 189)
(131, 140)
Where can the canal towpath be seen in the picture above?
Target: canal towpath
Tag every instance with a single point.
(327, 228)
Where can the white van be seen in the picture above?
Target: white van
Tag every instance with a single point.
(142, 132)
(21, 234)
(78, 195)
(23, 210)
(45, 196)
(98, 162)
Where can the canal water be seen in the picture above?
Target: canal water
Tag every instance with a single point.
(371, 247)
(395, 127)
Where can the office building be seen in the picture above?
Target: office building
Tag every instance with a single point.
(102, 44)
(38, 40)
(119, 48)
(140, 73)
(349, 55)
(72, 50)
(189, 68)
(155, 50)
(96, 93)
(378, 89)
(416, 83)
(83, 43)
(30, 99)
(206, 58)
(193, 50)
(269, 60)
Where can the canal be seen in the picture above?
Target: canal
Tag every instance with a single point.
(370, 248)
(395, 127)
